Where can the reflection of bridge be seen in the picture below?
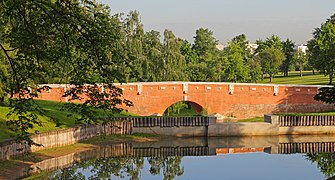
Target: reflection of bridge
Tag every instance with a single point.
(229, 99)
(196, 147)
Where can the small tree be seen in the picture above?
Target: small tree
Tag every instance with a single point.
(270, 60)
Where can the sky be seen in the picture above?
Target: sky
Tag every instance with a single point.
(258, 19)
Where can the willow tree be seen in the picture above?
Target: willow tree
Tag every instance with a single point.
(153, 53)
(80, 36)
(172, 59)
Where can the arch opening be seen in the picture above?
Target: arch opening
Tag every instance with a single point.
(185, 108)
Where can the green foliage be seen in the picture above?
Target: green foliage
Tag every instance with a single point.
(288, 49)
(22, 118)
(235, 60)
(173, 61)
(322, 48)
(180, 109)
(75, 42)
(325, 162)
(106, 97)
(270, 42)
(326, 94)
(204, 45)
(207, 68)
(270, 60)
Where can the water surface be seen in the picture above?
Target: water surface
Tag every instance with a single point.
(287, 157)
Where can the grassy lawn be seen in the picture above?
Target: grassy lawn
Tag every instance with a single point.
(294, 78)
(52, 118)
(255, 119)
(52, 114)
(329, 113)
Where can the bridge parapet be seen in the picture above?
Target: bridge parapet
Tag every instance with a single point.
(239, 100)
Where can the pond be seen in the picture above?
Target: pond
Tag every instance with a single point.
(287, 157)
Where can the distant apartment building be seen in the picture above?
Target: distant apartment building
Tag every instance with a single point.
(252, 47)
(302, 48)
(220, 47)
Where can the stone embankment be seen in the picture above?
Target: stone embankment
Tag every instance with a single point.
(177, 126)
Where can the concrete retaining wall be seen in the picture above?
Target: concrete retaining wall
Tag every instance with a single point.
(64, 137)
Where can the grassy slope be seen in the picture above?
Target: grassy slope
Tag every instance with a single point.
(52, 111)
(52, 114)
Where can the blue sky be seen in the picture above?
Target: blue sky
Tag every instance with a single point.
(294, 19)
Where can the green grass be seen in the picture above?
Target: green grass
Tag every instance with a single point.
(52, 118)
(255, 119)
(184, 112)
(52, 113)
(328, 113)
(294, 78)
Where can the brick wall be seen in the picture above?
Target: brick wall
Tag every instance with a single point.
(239, 100)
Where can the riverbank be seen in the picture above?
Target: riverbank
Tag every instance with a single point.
(20, 162)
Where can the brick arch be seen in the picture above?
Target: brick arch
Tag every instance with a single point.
(196, 106)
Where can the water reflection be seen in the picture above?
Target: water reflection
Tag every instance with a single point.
(325, 162)
(173, 158)
(121, 167)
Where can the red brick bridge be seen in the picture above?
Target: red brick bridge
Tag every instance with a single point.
(240, 100)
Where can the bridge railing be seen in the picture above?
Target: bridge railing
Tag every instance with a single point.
(167, 121)
(322, 120)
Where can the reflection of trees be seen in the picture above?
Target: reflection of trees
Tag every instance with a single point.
(67, 173)
(104, 168)
(170, 166)
(325, 162)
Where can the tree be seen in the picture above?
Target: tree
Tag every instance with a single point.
(235, 68)
(270, 42)
(288, 49)
(322, 48)
(325, 162)
(81, 36)
(273, 42)
(4, 78)
(238, 62)
(205, 45)
(173, 60)
(205, 48)
(270, 60)
(153, 53)
(134, 42)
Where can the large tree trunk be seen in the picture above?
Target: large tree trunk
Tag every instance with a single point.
(300, 73)
(270, 78)
(263, 76)
(313, 72)
(331, 76)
